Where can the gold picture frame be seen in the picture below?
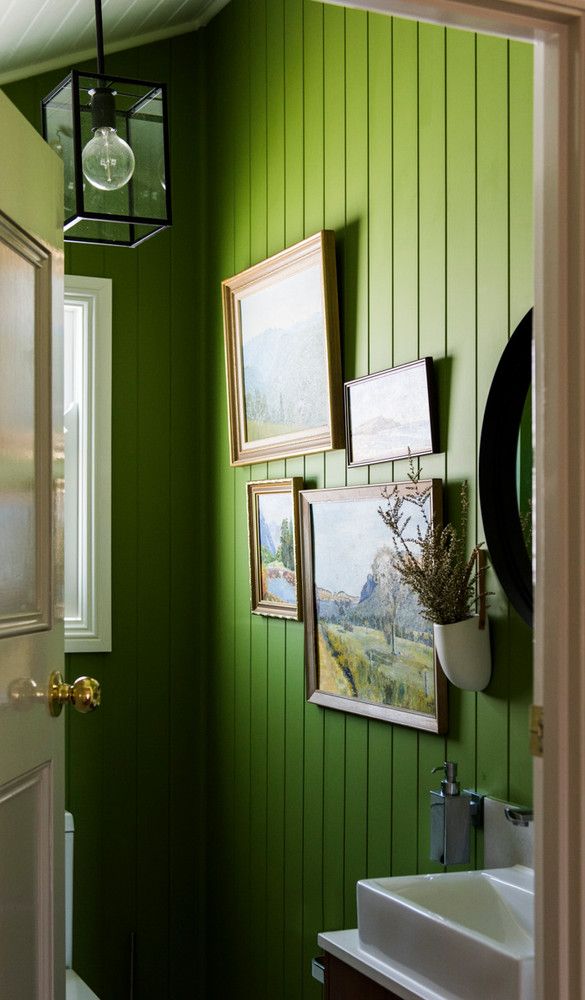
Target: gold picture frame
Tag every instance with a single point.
(283, 365)
(273, 536)
(367, 649)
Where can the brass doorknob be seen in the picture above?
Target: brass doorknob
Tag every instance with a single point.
(84, 694)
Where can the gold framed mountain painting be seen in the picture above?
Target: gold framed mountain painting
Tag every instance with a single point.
(281, 326)
(368, 650)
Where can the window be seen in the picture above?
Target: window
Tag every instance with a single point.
(88, 400)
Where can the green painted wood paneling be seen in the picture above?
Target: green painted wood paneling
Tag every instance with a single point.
(461, 315)
(189, 518)
(271, 932)
(492, 129)
(222, 707)
(242, 180)
(409, 141)
(431, 307)
(206, 771)
(404, 348)
(333, 174)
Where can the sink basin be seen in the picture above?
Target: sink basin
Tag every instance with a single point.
(468, 934)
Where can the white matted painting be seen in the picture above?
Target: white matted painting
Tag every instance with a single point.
(391, 414)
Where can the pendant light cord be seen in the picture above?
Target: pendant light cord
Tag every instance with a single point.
(99, 35)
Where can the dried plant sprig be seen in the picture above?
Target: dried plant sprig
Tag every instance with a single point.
(526, 525)
(433, 560)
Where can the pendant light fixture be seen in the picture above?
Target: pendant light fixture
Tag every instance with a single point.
(112, 135)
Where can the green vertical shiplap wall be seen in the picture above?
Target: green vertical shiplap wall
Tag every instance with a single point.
(414, 144)
(205, 767)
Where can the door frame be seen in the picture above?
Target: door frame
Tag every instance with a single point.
(558, 33)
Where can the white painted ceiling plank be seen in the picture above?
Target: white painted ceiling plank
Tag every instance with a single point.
(73, 58)
(155, 12)
(69, 28)
(135, 22)
(121, 14)
(8, 13)
(31, 24)
(179, 13)
(38, 35)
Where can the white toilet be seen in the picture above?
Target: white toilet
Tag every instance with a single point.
(75, 987)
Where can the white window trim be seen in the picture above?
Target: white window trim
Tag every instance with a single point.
(91, 629)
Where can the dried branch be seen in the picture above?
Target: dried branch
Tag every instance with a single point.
(433, 560)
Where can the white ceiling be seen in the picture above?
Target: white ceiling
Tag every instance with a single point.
(38, 35)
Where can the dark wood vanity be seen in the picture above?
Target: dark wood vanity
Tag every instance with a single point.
(344, 983)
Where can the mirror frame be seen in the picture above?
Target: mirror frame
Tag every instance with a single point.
(497, 470)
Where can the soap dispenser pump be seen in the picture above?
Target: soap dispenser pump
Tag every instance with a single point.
(450, 819)
(449, 783)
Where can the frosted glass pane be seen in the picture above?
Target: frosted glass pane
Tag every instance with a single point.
(18, 583)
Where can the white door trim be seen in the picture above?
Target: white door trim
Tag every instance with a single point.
(558, 31)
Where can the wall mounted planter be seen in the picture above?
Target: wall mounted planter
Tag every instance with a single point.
(464, 652)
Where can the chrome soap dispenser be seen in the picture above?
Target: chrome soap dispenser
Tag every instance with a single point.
(450, 819)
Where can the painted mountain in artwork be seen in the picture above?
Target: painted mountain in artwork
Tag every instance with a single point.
(377, 425)
(285, 380)
(266, 540)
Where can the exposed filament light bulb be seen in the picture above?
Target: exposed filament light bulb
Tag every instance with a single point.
(107, 160)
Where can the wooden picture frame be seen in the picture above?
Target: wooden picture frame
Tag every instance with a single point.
(283, 367)
(391, 414)
(367, 649)
(275, 564)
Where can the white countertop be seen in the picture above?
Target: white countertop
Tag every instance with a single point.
(76, 989)
(345, 946)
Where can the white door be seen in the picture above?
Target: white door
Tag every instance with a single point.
(31, 564)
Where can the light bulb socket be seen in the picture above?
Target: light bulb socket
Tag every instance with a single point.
(103, 108)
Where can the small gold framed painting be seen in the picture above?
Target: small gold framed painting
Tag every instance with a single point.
(274, 547)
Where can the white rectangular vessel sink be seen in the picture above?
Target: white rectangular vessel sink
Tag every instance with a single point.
(462, 935)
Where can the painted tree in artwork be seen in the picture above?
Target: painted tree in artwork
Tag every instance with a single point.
(391, 590)
(286, 549)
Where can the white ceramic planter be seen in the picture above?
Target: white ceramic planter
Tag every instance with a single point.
(464, 653)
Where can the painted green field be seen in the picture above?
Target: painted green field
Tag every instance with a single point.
(360, 664)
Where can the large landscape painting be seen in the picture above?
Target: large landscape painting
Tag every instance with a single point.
(369, 642)
(283, 364)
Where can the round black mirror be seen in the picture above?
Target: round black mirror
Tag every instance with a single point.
(498, 451)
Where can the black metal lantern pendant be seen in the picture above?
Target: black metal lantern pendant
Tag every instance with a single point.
(112, 135)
